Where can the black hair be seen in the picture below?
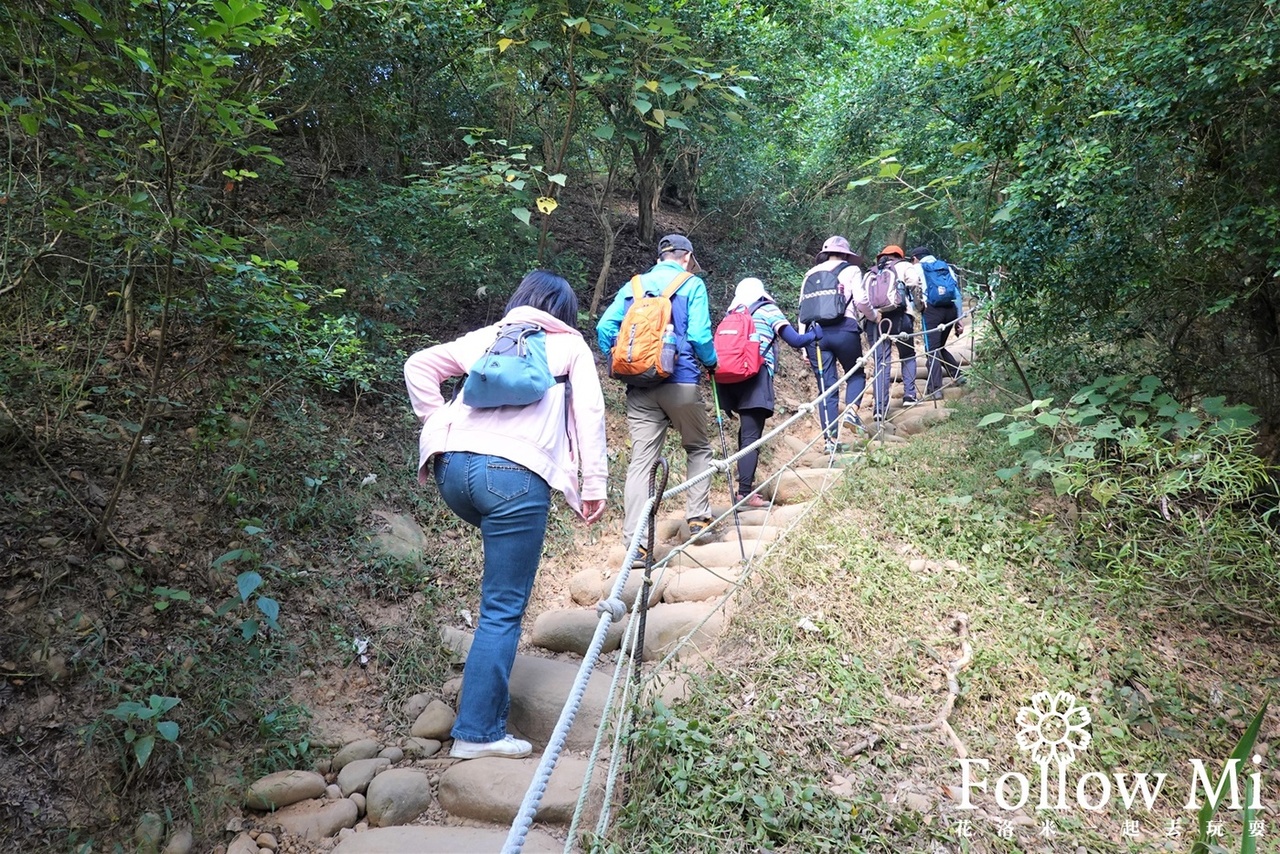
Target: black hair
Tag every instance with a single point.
(544, 290)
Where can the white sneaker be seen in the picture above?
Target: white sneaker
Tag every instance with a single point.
(508, 747)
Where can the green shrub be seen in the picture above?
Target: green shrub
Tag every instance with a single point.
(1167, 493)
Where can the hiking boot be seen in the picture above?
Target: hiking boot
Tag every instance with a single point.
(697, 527)
(831, 446)
(507, 747)
(962, 380)
(642, 557)
(753, 500)
(879, 417)
(853, 422)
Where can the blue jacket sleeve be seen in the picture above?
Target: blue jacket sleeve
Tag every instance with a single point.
(611, 321)
(700, 334)
(795, 339)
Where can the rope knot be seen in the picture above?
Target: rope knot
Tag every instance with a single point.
(614, 607)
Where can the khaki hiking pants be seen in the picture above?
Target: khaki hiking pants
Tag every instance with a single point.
(650, 411)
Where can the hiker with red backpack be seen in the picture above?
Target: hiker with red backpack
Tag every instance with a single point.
(744, 344)
(889, 286)
(942, 304)
(832, 298)
(657, 336)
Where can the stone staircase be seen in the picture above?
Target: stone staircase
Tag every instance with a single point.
(409, 797)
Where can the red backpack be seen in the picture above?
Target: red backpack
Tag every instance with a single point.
(738, 355)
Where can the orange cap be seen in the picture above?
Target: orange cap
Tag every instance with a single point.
(891, 249)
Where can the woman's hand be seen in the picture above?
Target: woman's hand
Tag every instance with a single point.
(592, 509)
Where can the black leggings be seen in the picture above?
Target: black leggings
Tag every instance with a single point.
(750, 429)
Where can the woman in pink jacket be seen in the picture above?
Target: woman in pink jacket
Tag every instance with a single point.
(496, 469)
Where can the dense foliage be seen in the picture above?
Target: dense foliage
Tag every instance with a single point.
(224, 221)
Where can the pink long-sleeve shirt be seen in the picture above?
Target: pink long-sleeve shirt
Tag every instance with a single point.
(534, 436)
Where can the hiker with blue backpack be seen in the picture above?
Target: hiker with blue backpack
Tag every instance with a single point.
(657, 336)
(832, 298)
(529, 420)
(942, 307)
(889, 286)
(747, 361)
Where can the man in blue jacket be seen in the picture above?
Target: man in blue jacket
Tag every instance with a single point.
(675, 402)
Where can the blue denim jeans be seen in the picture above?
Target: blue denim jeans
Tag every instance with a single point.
(509, 504)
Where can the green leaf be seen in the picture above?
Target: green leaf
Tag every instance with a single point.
(162, 704)
(642, 106)
(246, 583)
(249, 628)
(142, 749)
(1049, 419)
(1018, 436)
(270, 609)
(993, 418)
(676, 122)
(1079, 450)
(229, 557)
(558, 178)
(30, 123)
(168, 730)
(1243, 748)
(604, 132)
(521, 214)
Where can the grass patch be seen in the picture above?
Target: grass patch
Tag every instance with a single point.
(903, 544)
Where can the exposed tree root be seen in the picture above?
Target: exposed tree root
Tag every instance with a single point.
(959, 625)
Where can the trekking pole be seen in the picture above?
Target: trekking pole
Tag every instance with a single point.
(822, 392)
(724, 450)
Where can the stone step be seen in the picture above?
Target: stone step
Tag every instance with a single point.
(589, 586)
(667, 623)
(802, 484)
(699, 583)
(442, 839)
(539, 688)
(571, 630)
(917, 420)
(725, 553)
(841, 460)
(779, 514)
(491, 789)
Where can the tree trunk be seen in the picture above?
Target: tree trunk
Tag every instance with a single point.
(610, 238)
(648, 185)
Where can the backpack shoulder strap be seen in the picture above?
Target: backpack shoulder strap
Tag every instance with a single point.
(680, 279)
(637, 289)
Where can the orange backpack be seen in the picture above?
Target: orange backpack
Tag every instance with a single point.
(637, 354)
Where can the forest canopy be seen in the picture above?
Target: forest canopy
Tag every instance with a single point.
(314, 179)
